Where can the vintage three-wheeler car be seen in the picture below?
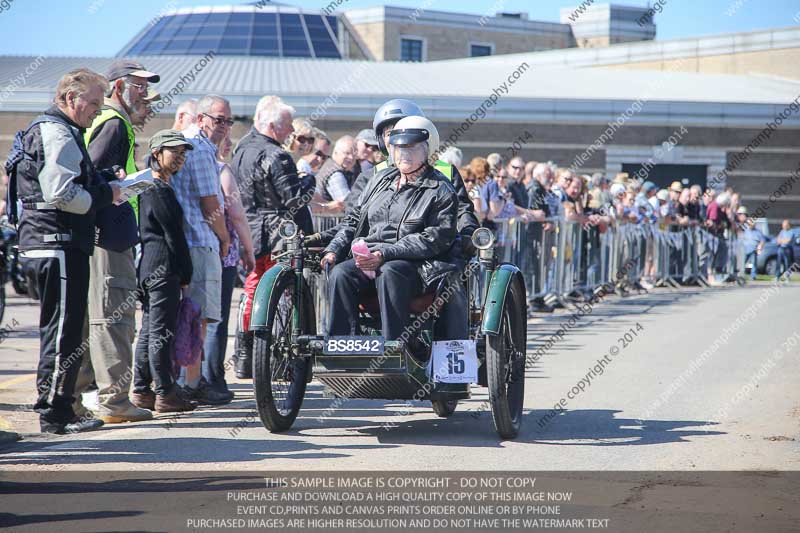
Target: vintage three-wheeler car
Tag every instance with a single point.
(288, 351)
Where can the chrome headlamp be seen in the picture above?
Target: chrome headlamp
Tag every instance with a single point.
(483, 238)
(287, 230)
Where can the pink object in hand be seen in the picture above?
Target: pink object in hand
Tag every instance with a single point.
(360, 247)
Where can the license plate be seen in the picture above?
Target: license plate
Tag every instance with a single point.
(352, 345)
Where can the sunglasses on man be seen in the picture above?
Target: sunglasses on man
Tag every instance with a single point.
(219, 121)
(302, 139)
(321, 155)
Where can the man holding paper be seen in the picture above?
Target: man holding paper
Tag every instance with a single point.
(112, 282)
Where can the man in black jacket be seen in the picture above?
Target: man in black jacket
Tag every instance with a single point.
(408, 220)
(537, 202)
(271, 192)
(61, 191)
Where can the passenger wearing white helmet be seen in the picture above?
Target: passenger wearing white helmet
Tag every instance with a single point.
(386, 117)
(408, 218)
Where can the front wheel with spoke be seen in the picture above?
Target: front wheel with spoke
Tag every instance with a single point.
(279, 374)
(505, 366)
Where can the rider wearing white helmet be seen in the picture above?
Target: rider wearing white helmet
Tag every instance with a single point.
(408, 219)
(385, 119)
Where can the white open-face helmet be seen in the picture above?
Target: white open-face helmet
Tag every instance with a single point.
(413, 130)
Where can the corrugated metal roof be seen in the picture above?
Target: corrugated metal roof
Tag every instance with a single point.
(356, 88)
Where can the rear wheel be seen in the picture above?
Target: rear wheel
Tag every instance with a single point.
(771, 268)
(444, 408)
(17, 274)
(279, 374)
(505, 367)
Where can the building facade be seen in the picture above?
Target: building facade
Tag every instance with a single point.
(692, 110)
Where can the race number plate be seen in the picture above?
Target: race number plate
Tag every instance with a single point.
(353, 346)
(454, 362)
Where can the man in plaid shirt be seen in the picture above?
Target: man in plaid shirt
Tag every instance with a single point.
(197, 187)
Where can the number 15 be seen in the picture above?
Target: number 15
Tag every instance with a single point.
(455, 365)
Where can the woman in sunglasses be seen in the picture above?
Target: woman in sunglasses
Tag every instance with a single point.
(312, 162)
(301, 142)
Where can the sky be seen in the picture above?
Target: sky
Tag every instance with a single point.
(103, 27)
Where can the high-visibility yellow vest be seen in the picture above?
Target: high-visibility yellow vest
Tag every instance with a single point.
(130, 165)
(445, 168)
(442, 166)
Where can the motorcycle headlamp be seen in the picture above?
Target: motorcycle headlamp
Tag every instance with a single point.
(483, 238)
(287, 230)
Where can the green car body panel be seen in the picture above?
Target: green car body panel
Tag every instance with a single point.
(263, 294)
(499, 287)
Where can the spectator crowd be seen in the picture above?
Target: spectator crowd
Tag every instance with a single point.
(213, 211)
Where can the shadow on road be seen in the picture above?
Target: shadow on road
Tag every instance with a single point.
(190, 450)
(600, 427)
(11, 520)
(583, 427)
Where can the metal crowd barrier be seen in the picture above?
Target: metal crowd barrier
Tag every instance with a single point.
(563, 260)
(326, 221)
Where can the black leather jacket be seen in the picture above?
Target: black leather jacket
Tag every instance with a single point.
(426, 231)
(467, 221)
(56, 168)
(271, 190)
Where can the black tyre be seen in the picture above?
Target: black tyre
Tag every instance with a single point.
(20, 285)
(279, 375)
(771, 267)
(444, 408)
(505, 366)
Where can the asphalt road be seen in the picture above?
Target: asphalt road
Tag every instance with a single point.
(635, 400)
(680, 393)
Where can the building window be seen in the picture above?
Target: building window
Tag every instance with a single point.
(410, 50)
(478, 50)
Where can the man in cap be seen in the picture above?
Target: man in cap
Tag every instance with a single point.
(662, 197)
(675, 191)
(601, 197)
(650, 189)
(621, 177)
(368, 154)
(112, 283)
